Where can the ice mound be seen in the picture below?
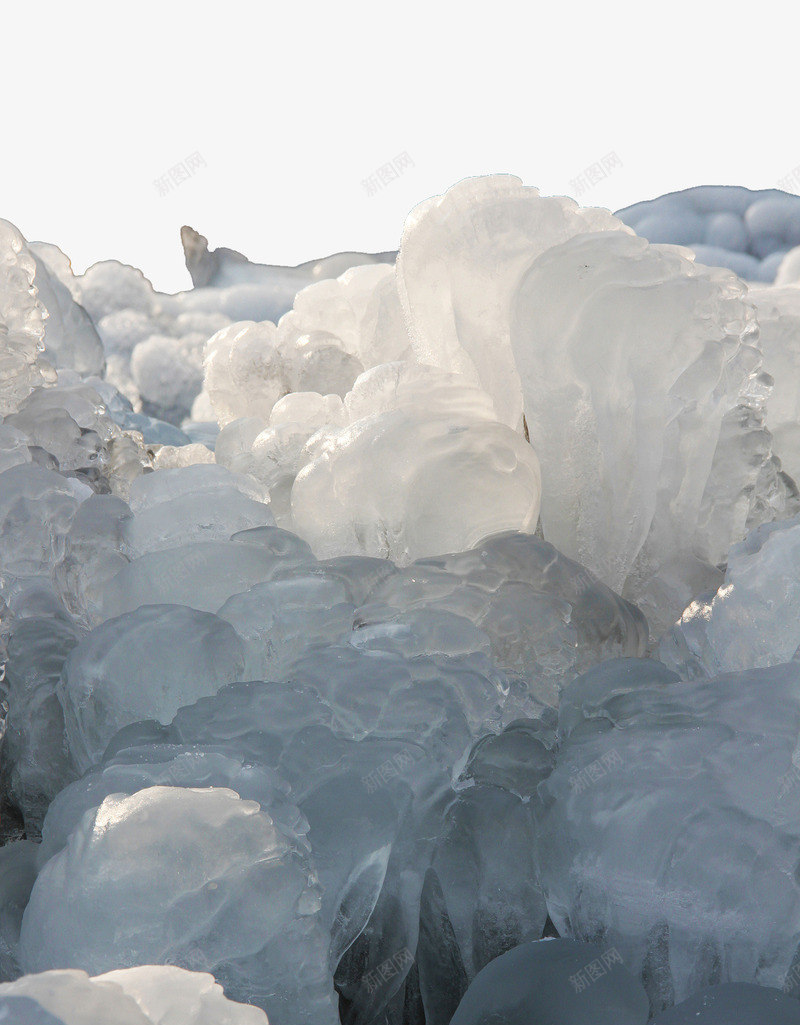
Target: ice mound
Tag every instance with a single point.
(789, 269)
(650, 471)
(753, 619)
(200, 502)
(17, 875)
(150, 878)
(35, 760)
(664, 796)
(694, 429)
(555, 981)
(152, 995)
(727, 226)
(547, 618)
(417, 478)
(462, 256)
(364, 743)
(153, 341)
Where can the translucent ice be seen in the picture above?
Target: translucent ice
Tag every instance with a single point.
(735, 1002)
(433, 471)
(196, 878)
(221, 267)
(35, 761)
(651, 442)
(778, 311)
(131, 668)
(201, 575)
(193, 503)
(753, 619)
(22, 318)
(461, 258)
(554, 981)
(546, 617)
(481, 895)
(665, 795)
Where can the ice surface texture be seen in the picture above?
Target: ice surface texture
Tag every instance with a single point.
(664, 797)
(735, 1002)
(753, 619)
(196, 878)
(554, 981)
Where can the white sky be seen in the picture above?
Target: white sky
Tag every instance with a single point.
(293, 107)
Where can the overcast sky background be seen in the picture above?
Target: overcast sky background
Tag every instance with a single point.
(293, 108)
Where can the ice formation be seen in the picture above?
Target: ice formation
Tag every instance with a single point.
(536, 981)
(329, 604)
(753, 619)
(750, 232)
(148, 995)
(665, 796)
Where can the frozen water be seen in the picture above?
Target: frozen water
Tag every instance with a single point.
(554, 980)
(35, 761)
(753, 619)
(22, 319)
(421, 477)
(221, 267)
(546, 617)
(485, 232)
(193, 503)
(17, 876)
(322, 625)
(201, 575)
(131, 668)
(735, 1002)
(168, 994)
(778, 312)
(664, 797)
(727, 226)
(651, 443)
(481, 895)
(150, 995)
(151, 878)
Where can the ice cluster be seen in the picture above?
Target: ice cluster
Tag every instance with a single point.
(407, 641)
(751, 232)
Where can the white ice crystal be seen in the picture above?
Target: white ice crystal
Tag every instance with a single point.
(150, 995)
(430, 472)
